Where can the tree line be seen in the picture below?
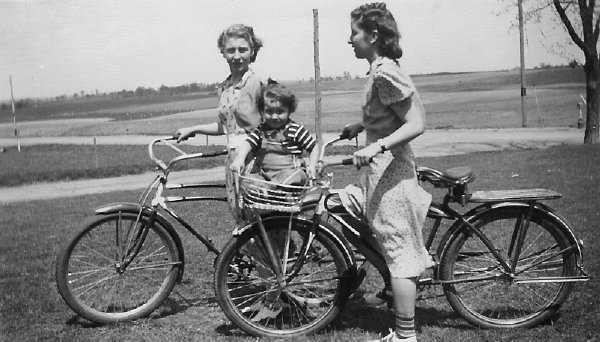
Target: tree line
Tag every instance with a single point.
(163, 90)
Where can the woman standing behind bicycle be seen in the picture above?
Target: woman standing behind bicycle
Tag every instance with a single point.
(395, 204)
(238, 113)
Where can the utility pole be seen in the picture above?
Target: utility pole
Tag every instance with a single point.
(522, 48)
(12, 102)
(317, 77)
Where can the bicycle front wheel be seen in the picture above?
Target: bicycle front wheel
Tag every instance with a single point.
(488, 296)
(92, 281)
(311, 294)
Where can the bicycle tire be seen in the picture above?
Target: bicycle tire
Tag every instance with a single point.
(88, 278)
(309, 301)
(503, 302)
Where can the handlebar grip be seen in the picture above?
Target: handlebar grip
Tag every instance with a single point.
(347, 161)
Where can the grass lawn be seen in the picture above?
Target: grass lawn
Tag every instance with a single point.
(30, 233)
(48, 163)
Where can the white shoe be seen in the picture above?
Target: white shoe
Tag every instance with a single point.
(391, 337)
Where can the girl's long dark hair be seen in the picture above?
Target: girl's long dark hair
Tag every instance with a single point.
(376, 16)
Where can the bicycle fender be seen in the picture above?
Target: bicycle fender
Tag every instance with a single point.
(564, 224)
(131, 207)
(325, 228)
(539, 208)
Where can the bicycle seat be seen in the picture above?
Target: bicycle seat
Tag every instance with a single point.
(453, 177)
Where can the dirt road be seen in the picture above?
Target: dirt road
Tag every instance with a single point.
(431, 144)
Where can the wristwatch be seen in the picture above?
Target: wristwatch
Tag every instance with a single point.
(382, 145)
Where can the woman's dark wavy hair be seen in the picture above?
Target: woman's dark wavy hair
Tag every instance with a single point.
(376, 16)
(273, 89)
(241, 31)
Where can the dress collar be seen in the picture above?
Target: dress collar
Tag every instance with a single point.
(378, 61)
(241, 83)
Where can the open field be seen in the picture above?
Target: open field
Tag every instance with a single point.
(31, 309)
(464, 100)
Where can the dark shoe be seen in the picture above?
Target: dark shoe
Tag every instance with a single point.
(384, 296)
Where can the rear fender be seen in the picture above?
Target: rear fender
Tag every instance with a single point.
(539, 209)
(135, 208)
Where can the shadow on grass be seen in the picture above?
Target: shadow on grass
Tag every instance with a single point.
(79, 321)
(356, 315)
(178, 303)
(173, 305)
(378, 320)
(230, 330)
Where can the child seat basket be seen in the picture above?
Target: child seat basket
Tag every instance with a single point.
(263, 195)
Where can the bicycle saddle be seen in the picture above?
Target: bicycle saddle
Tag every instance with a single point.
(452, 177)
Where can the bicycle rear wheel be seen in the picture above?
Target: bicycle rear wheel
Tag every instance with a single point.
(489, 297)
(91, 281)
(248, 291)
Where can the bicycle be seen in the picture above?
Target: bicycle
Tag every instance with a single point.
(509, 262)
(126, 258)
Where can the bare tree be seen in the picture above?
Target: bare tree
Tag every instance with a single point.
(572, 13)
(581, 20)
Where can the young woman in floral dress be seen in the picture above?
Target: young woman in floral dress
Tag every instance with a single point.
(395, 204)
(238, 113)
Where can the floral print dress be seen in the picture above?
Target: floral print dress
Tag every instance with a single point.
(238, 115)
(396, 206)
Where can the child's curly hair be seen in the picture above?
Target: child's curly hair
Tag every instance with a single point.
(376, 16)
(273, 89)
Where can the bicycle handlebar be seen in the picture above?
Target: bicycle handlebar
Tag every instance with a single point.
(182, 154)
(347, 161)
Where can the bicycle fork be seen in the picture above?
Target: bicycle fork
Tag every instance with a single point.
(136, 240)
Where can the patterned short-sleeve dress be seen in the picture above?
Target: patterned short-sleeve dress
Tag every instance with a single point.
(395, 204)
(238, 115)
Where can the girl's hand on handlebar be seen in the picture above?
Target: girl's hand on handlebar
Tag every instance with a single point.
(236, 166)
(183, 134)
(351, 131)
(365, 156)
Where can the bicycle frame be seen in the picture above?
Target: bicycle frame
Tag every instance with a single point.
(357, 232)
(156, 188)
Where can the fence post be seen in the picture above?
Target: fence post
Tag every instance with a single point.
(317, 77)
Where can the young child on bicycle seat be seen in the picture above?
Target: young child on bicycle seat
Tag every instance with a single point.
(278, 142)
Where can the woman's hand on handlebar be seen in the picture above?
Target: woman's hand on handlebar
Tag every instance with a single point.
(236, 166)
(351, 131)
(183, 134)
(364, 156)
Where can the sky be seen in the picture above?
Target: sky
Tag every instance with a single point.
(51, 48)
